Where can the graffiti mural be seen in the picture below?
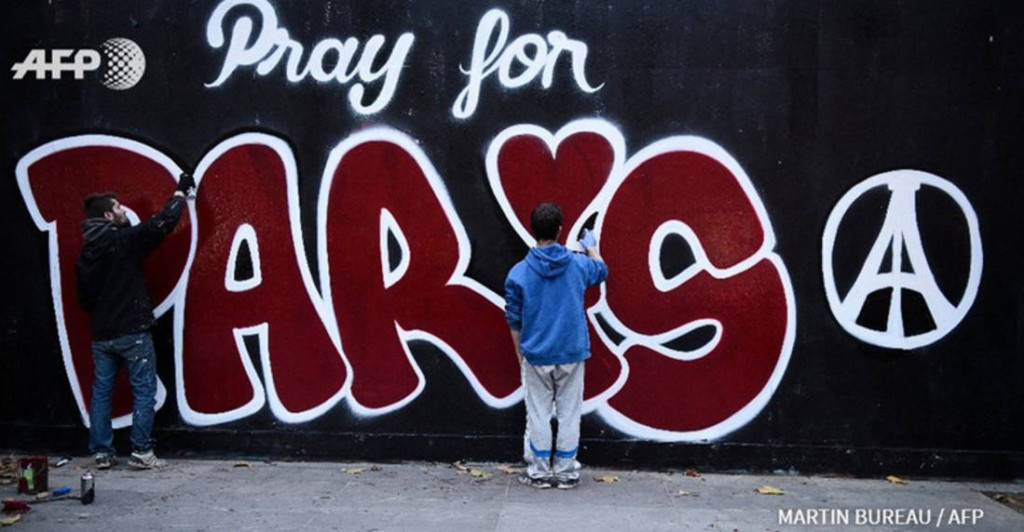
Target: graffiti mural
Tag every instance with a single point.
(354, 341)
(806, 209)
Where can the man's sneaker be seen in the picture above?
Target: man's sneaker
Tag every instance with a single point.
(145, 460)
(104, 461)
(539, 483)
(568, 483)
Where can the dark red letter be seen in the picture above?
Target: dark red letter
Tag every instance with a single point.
(55, 179)
(693, 188)
(379, 186)
(248, 198)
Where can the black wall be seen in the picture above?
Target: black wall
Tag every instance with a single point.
(810, 98)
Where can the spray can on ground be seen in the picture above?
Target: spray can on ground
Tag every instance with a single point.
(88, 488)
(30, 478)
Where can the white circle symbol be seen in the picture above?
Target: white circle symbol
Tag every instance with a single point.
(125, 63)
(899, 234)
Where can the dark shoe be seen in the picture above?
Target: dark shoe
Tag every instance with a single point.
(539, 483)
(145, 460)
(568, 483)
(104, 461)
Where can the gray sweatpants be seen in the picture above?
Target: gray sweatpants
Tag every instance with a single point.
(552, 391)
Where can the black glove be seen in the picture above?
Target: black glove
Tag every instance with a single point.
(186, 183)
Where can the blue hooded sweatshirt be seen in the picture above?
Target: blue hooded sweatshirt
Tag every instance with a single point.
(544, 301)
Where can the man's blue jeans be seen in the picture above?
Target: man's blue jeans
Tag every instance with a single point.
(136, 352)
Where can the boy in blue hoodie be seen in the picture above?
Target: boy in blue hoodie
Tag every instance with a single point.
(544, 308)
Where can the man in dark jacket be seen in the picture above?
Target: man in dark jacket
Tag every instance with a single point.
(112, 289)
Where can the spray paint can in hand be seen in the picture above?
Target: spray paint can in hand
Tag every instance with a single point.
(88, 488)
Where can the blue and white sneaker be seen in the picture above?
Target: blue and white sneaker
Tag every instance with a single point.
(567, 483)
(539, 483)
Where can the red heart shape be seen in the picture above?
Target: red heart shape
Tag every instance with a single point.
(529, 174)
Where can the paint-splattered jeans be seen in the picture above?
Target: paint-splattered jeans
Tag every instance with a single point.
(135, 351)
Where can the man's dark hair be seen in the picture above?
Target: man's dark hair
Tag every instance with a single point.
(96, 205)
(545, 220)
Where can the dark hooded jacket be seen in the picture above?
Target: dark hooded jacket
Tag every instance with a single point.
(111, 284)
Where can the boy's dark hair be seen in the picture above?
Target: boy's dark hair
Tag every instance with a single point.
(545, 220)
(96, 205)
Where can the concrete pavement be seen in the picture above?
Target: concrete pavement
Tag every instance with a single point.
(255, 495)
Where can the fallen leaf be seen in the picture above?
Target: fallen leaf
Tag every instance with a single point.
(375, 468)
(355, 470)
(480, 473)
(509, 470)
(607, 479)
(692, 473)
(896, 480)
(8, 521)
(242, 464)
(768, 490)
